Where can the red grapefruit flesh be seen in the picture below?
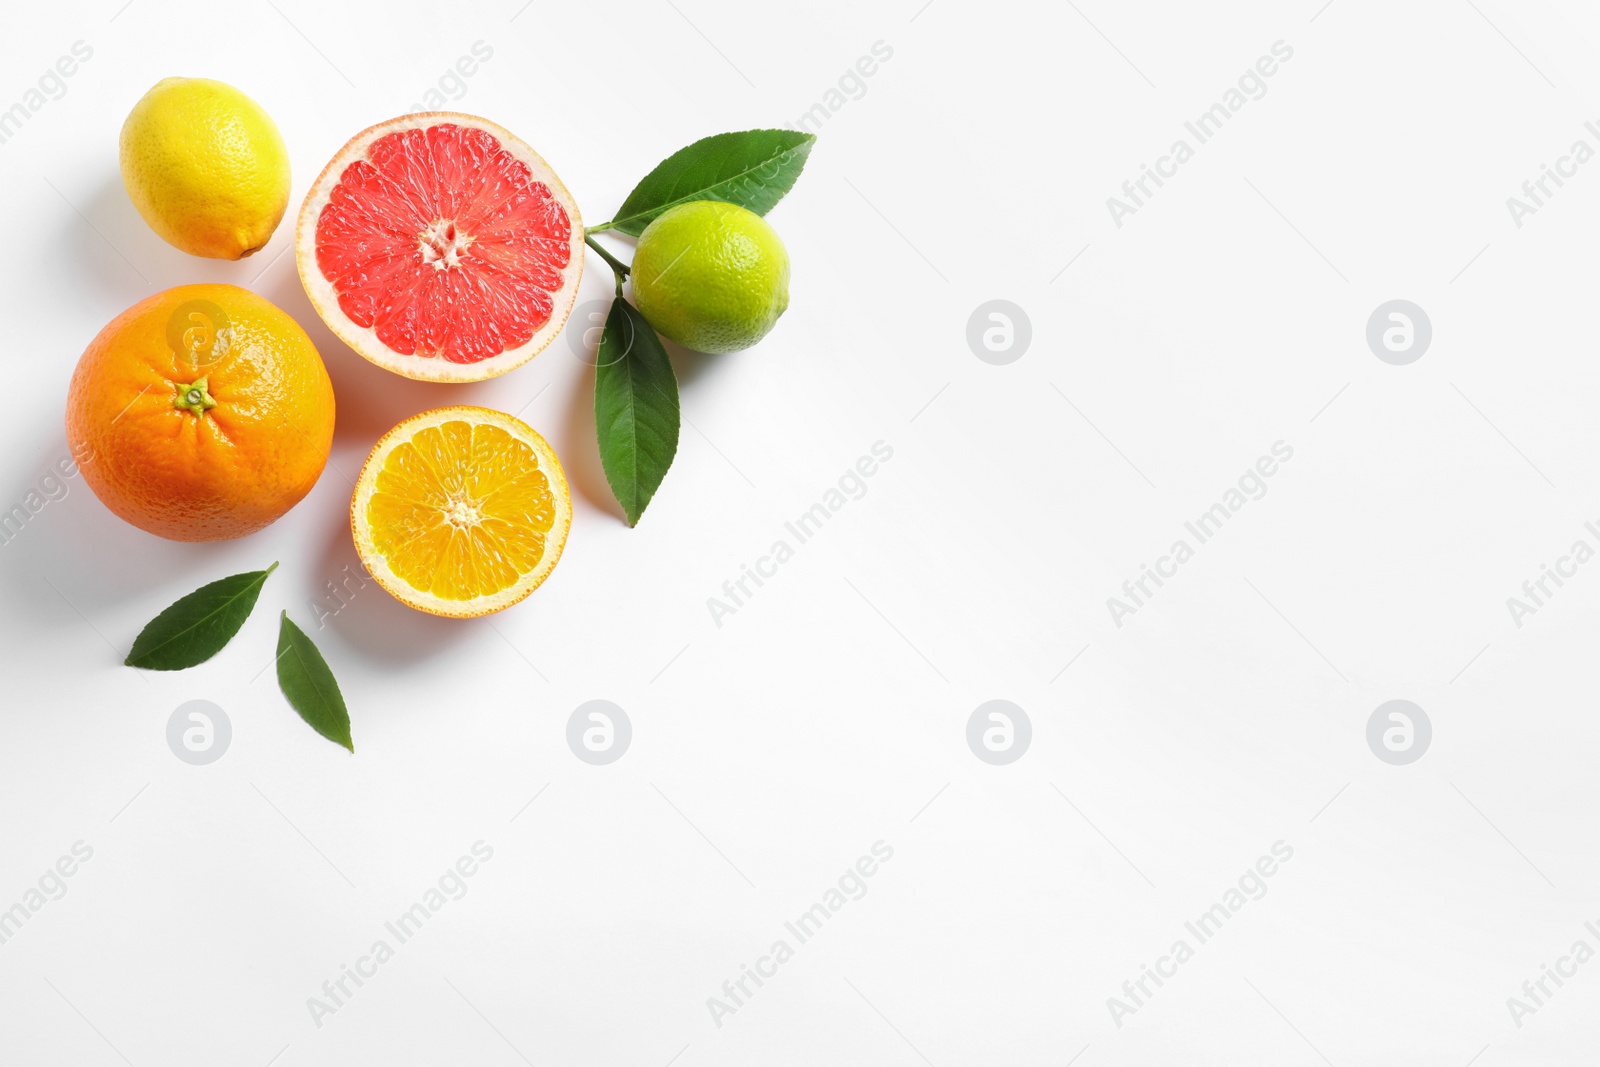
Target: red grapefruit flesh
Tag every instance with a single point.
(441, 247)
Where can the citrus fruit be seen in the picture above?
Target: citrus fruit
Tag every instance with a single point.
(206, 167)
(201, 413)
(712, 276)
(441, 247)
(461, 511)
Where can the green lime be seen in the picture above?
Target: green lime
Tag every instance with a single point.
(711, 276)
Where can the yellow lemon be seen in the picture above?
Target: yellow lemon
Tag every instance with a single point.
(206, 167)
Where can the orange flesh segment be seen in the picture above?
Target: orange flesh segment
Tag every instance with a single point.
(461, 511)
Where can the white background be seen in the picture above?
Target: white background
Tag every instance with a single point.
(830, 711)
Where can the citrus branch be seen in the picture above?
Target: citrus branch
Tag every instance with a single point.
(618, 268)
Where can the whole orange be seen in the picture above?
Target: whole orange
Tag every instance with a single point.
(201, 413)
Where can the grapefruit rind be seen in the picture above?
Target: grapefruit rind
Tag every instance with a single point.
(364, 339)
(378, 566)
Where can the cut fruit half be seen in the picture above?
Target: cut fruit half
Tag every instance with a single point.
(441, 247)
(461, 511)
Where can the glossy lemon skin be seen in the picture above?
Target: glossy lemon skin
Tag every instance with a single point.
(711, 276)
(206, 167)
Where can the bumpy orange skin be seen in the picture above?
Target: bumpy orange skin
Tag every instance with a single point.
(223, 472)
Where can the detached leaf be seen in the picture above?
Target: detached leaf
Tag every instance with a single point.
(753, 169)
(635, 408)
(305, 679)
(194, 628)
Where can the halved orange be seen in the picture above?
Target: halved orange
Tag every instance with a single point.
(461, 511)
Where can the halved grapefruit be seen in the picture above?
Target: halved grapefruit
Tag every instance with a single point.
(441, 247)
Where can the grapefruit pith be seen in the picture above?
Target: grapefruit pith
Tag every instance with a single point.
(441, 247)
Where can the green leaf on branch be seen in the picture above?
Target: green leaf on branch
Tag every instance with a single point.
(635, 408)
(196, 627)
(306, 681)
(753, 169)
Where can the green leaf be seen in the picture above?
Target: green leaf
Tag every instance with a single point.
(305, 679)
(752, 169)
(635, 408)
(196, 627)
